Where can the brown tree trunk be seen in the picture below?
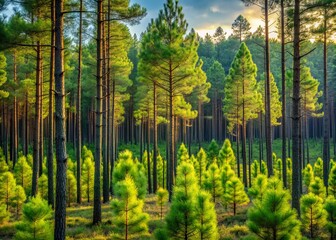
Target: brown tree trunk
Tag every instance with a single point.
(155, 139)
(78, 108)
(61, 154)
(37, 125)
(14, 118)
(283, 95)
(98, 135)
(296, 111)
(268, 96)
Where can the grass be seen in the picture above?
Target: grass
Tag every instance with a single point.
(79, 222)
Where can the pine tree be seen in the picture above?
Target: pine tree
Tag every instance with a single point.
(241, 28)
(235, 194)
(23, 174)
(317, 187)
(308, 175)
(18, 199)
(313, 216)
(71, 186)
(161, 171)
(212, 182)
(332, 181)
(3, 166)
(213, 151)
(182, 154)
(330, 207)
(259, 187)
(206, 215)
(255, 170)
(128, 219)
(7, 185)
(162, 199)
(181, 219)
(43, 186)
(35, 222)
(226, 175)
(226, 155)
(318, 168)
(87, 178)
(263, 168)
(273, 218)
(3, 75)
(200, 166)
(278, 168)
(242, 101)
(127, 166)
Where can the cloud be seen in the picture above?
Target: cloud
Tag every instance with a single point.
(203, 15)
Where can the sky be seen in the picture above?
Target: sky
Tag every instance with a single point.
(204, 15)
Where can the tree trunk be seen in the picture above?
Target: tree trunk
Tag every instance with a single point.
(155, 139)
(61, 155)
(98, 135)
(14, 118)
(283, 95)
(78, 108)
(36, 147)
(296, 112)
(326, 124)
(268, 97)
(148, 155)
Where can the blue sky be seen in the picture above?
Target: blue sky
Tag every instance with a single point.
(203, 15)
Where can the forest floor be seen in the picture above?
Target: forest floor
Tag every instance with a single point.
(79, 222)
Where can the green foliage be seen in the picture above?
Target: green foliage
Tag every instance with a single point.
(278, 168)
(235, 193)
(226, 155)
(332, 181)
(226, 175)
(206, 215)
(318, 168)
(35, 222)
(182, 219)
(275, 99)
(18, 199)
(43, 186)
(161, 171)
(200, 166)
(255, 170)
(182, 154)
(313, 215)
(273, 218)
(3, 75)
(263, 168)
(3, 166)
(308, 175)
(127, 166)
(317, 187)
(330, 207)
(259, 187)
(212, 182)
(4, 214)
(7, 185)
(87, 178)
(242, 101)
(213, 151)
(23, 174)
(162, 199)
(128, 219)
(71, 187)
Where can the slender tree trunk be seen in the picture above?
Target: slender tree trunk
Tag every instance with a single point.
(268, 96)
(50, 159)
(78, 107)
(14, 118)
(283, 95)
(37, 125)
(171, 163)
(155, 139)
(61, 155)
(98, 135)
(149, 178)
(109, 123)
(296, 111)
(326, 123)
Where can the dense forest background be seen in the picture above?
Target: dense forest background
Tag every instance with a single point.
(91, 113)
